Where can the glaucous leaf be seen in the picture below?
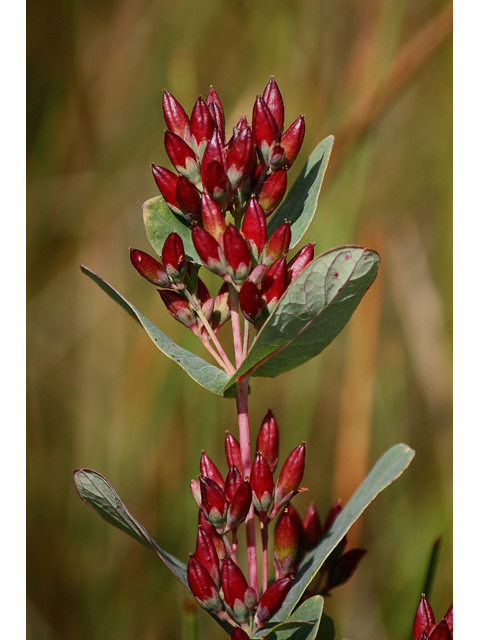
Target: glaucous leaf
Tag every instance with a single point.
(388, 468)
(160, 221)
(300, 204)
(206, 375)
(312, 311)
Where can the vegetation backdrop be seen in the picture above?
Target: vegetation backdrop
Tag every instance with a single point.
(377, 75)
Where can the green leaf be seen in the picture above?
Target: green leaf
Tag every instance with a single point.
(301, 202)
(311, 312)
(327, 629)
(206, 375)
(390, 466)
(99, 494)
(160, 221)
(303, 624)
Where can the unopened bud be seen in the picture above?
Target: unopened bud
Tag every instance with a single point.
(312, 527)
(173, 257)
(149, 268)
(201, 126)
(268, 439)
(209, 250)
(179, 308)
(221, 308)
(274, 283)
(188, 199)
(213, 219)
(240, 505)
(214, 502)
(237, 255)
(175, 117)
(272, 600)
(285, 546)
(251, 302)
(240, 157)
(262, 483)
(290, 476)
(292, 141)
(232, 452)
(278, 244)
(166, 182)
(272, 191)
(206, 554)
(235, 588)
(209, 470)
(299, 261)
(274, 101)
(203, 586)
(232, 482)
(254, 227)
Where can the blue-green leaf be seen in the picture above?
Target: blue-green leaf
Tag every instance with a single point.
(311, 312)
(390, 466)
(99, 494)
(303, 624)
(300, 204)
(206, 375)
(160, 221)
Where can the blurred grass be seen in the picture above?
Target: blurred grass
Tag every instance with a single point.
(377, 75)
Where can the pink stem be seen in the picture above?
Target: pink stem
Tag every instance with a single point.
(241, 396)
(264, 528)
(235, 317)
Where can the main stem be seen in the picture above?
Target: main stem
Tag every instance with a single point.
(241, 396)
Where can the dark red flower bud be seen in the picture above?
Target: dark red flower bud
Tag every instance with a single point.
(173, 257)
(203, 586)
(285, 546)
(261, 479)
(216, 110)
(209, 250)
(299, 261)
(272, 600)
(290, 476)
(235, 591)
(276, 158)
(254, 227)
(206, 554)
(221, 308)
(278, 244)
(292, 141)
(182, 157)
(332, 514)
(251, 302)
(215, 182)
(213, 219)
(272, 191)
(441, 632)
(237, 255)
(149, 268)
(239, 505)
(232, 452)
(448, 617)
(343, 568)
(274, 283)
(241, 124)
(214, 502)
(274, 101)
(312, 527)
(215, 537)
(240, 157)
(179, 308)
(166, 182)
(297, 523)
(267, 440)
(209, 470)
(201, 126)
(424, 620)
(264, 129)
(175, 117)
(214, 152)
(188, 199)
(232, 482)
(239, 634)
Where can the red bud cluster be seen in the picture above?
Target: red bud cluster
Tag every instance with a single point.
(424, 627)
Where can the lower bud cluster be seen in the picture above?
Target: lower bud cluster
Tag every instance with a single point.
(214, 577)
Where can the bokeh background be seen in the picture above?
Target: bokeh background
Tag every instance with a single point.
(377, 75)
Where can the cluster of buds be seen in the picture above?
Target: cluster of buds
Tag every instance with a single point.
(184, 294)
(340, 564)
(246, 177)
(214, 577)
(424, 627)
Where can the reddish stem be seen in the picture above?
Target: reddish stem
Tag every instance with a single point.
(241, 396)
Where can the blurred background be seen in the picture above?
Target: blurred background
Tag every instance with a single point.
(377, 75)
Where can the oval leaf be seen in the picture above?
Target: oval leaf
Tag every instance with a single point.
(311, 312)
(303, 624)
(206, 375)
(99, 494)
(390, 466)
(160, 221)
(299, 206)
